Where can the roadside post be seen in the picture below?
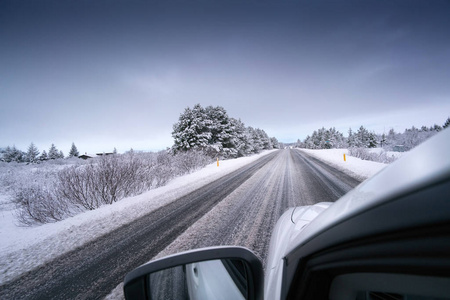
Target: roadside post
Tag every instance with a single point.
(344, 158)
(217, 161)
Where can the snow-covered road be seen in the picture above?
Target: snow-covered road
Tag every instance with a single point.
(241, 208)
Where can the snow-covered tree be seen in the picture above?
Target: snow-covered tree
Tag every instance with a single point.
(372, 140)
(60, 154)
(211, 129)
(13, 154)
(43, 155)
(32, 153)
(447, 123)
(192, 131)
(362, 137)
(221, 130)
(264, 138)
(53, 153)
(74, 151)
(275, 143)
(240, 138)
(351, 139)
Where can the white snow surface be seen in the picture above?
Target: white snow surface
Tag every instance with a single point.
(355, 167)
(25, 248)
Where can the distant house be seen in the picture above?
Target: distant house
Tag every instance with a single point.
(86, 155)
(104, 153)
(399, 148)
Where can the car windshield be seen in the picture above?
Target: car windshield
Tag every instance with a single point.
(132, 130)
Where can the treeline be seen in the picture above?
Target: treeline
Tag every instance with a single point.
(33, 155)
(212, 131)
(363, 138)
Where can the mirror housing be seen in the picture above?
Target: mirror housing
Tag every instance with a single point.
(137, 282)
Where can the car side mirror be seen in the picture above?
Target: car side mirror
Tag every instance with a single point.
(208, 273)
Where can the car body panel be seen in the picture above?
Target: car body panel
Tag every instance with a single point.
(288, 227)
(426, 163)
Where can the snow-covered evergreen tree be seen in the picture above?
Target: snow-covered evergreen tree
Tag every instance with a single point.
(60, 154)
(275, 143)
(447, 123)
(43, 155)
(74, 151)
(32, 153)
(192, 131)
(255, 145)
(221, 130)
(53, 153)
(13, 154)
(240, 139)
(264, 138)
(211, 129)
(351, 139)
(372, 140)
(362, 138)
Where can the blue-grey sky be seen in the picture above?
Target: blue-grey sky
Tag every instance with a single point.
(107, 74)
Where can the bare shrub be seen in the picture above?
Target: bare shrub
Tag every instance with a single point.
(365, 154)
(190, 161)
(104, 180)
(39, 205)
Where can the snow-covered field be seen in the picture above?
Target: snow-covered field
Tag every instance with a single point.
(358, 168)
(24, 248)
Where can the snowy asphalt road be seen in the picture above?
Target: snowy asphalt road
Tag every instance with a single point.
(239, 209)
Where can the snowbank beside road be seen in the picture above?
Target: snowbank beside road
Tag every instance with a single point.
(24, 248)
(355, 167)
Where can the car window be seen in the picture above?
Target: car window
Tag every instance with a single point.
(374, 286)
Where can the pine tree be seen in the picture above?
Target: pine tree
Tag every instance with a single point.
(351, 138)
(372, 140)
(13, 154)
(60, 154)
(275, 143)
(192, 130)
(43, 156)
(240, 138)
(53, 152)
(362, 137)
(32, 153)
(221, 131)
(74, 151)
(447, 123)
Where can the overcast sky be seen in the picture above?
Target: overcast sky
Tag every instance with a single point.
(107, 74)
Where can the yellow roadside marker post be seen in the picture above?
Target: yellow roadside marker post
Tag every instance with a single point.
(217, 161)
(344, 157)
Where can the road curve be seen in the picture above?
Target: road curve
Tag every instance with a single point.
(238, 209)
